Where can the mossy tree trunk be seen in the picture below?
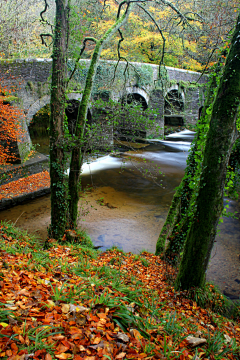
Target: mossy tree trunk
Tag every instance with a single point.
(58, 89)
(173, 234)
(77, 153)
(209, 204)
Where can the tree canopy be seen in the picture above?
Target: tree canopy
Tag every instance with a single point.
(191, 44)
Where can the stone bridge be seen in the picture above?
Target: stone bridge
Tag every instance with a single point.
(177, 97)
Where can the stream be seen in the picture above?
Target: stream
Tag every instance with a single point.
(126, 201)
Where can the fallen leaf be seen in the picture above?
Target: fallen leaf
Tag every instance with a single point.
(121, 355)
(65, 308)
(77, 308)
(102, 315)
(4, 324)
(63, 356)
(51, 303)
(122, 336)
(227, 338)
(136, 334)
(96, 340)
(193, 341)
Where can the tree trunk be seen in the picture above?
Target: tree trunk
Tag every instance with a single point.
(209, 204)
(182, 209)
(179, 215)
(59, 204)
(77, 156)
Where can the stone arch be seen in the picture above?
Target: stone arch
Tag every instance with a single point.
(136, 92)
(130, 128)
(72, 113)
(38, 105)
(174, 102)
(38, 128)
(43, 101)
(176, 96)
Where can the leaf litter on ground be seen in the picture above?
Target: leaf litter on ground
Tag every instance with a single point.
(70, 302)
(25, 185)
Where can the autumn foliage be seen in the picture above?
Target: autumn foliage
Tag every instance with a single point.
(25, 185)
(62, 303)
(10, 129)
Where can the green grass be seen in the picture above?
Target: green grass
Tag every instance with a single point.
(210, 297)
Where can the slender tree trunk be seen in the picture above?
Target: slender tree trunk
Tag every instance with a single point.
(209, 204)
(77, 155)
(59, 204)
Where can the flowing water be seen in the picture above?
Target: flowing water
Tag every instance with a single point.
(126, 201)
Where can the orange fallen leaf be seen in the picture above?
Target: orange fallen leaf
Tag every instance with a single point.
(96, 340)
(21, 339)
(61, 348)
(102, 315)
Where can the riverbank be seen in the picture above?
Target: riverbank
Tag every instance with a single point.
(69, 302)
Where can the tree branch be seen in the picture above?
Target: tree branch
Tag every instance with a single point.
(79, 57)
(43, 40)
(43, 21)
(183, 18)
(161, 33)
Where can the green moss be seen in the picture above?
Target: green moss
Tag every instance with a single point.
(9, 98)
(7, 61)
(144, 76)
(40, 89)
(30, 86)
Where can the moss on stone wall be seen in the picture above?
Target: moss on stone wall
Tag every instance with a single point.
(9, 99)
(111, 78)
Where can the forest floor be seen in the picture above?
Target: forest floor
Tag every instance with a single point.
(68, 301)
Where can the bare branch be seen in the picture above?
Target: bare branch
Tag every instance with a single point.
(44, 21)
(79, 57)
(43, 39)
(45, 10)
(201, 19)
(183, 18)
(161, 33)
(224, 52)
(128, 2)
